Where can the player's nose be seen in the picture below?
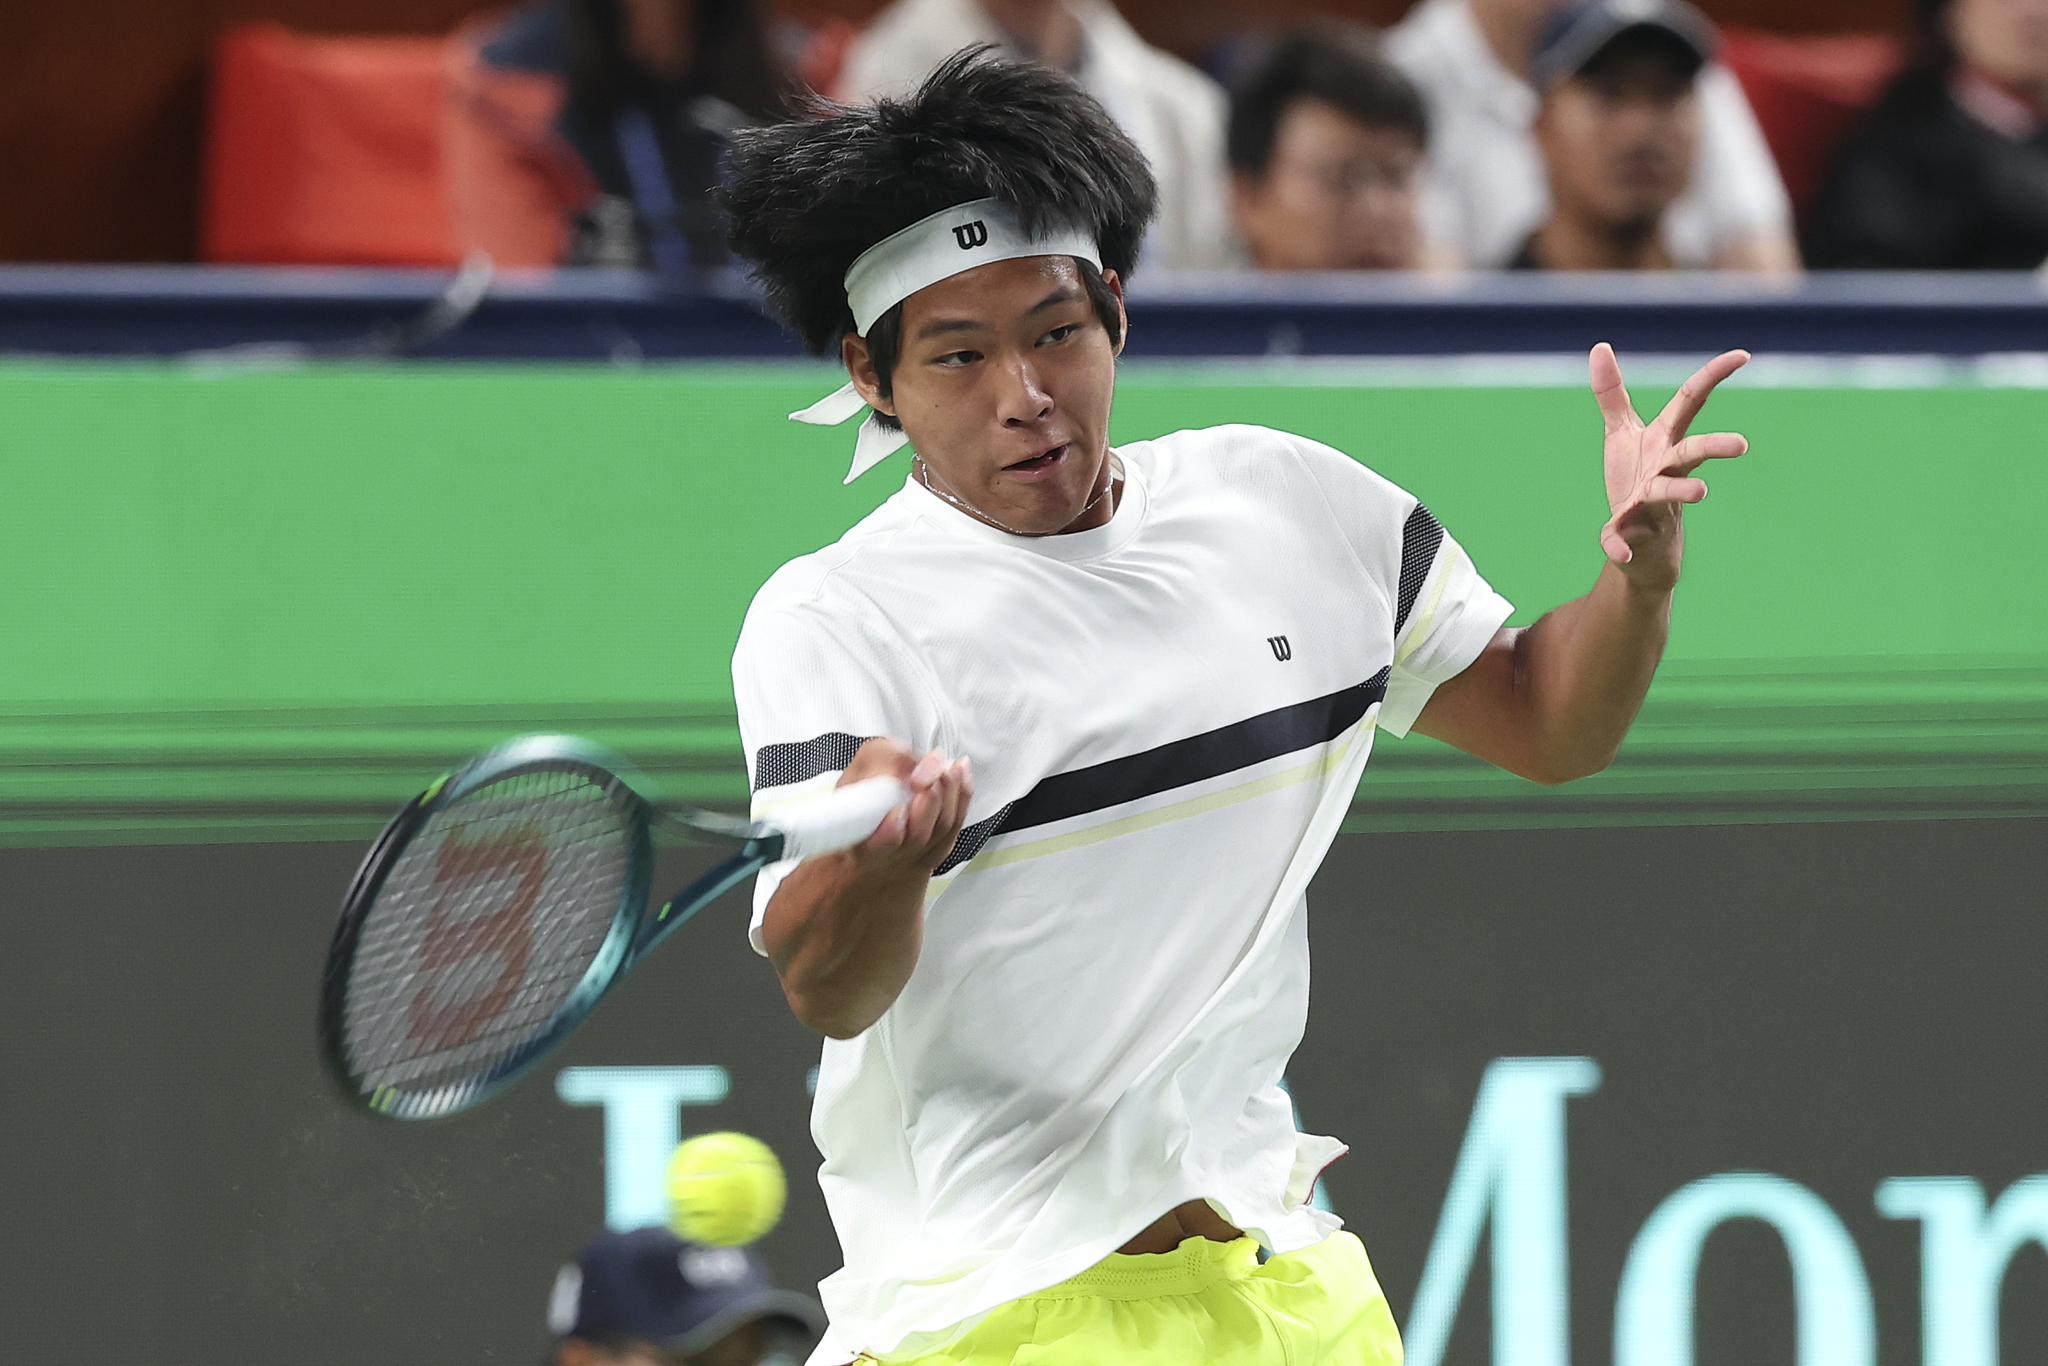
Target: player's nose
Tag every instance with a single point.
(1022, 399)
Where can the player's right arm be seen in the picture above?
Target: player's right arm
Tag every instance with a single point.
(817, 674)
(844, 930)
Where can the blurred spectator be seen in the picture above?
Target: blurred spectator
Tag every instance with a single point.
(1484, 188)
(651, 90)
(1950, 170)
(1618, 126)
(1173, 112)
(647, 1298)
(1326, 140)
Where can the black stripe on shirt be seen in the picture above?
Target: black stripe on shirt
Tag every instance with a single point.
(1420, 537)
(782, 764)
(972, 838)
(1176, 764)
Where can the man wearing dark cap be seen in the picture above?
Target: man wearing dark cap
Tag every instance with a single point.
(1619, 128)
(1485, 190)
(647, 1298)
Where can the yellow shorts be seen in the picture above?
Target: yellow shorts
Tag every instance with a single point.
(1203, 1302)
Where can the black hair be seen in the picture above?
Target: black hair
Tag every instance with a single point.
(1339, 64)
(732, 59)
(807, 198)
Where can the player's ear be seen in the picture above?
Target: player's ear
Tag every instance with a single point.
(1123, 319)
(860, 368)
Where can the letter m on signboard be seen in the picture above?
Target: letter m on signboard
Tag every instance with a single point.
(1512, 1168)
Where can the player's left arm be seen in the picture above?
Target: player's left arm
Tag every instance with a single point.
(1552, 701)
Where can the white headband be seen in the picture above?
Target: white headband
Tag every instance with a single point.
(928, 251)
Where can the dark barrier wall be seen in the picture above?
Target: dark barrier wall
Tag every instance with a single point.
(1837, 1005)
(221, 318)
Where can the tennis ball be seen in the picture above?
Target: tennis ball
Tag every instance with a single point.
(724, 1190)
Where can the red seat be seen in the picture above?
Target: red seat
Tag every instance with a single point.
(379, 151)
(1806, 90)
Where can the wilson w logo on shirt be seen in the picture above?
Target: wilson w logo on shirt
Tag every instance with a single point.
(1282, 651)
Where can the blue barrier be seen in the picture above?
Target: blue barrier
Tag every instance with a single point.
(622, 316)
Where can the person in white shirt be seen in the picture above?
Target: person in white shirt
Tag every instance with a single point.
(1485, 189)
(1060, 985)
(1173, 112)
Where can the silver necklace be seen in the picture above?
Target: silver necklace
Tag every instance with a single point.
(924, 476)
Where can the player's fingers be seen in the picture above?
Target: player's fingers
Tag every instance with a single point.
(945, 799)
(1612, 543)
(924, 815)
(919, 811)
(952, 818)
(1603, 369)
(878, 757)
(1665, 488)
(961, 793)
(1692, 395)
(951, 815)
(889, 834)
(963, 801)
(1689, 454)
(927, 771)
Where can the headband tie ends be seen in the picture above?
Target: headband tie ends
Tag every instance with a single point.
(875, 443)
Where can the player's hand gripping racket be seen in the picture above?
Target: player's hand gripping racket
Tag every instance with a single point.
(500, 905)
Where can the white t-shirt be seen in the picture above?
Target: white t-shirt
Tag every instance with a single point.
(1168, 716)
(1173, 112)
(1485, 189)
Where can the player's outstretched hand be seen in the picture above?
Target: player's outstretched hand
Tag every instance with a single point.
(1649, 468)
(916, 836)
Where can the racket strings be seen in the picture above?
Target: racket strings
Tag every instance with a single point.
(487, 923)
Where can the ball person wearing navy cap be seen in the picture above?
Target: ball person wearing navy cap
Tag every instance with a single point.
(647, 1298)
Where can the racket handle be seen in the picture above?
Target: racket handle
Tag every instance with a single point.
(840, 819)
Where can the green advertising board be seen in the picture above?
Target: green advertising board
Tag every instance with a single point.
(247, 604)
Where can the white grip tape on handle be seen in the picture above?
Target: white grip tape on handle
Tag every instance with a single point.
(840, 819)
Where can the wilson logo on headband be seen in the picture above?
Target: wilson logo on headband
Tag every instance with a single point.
(971, 235)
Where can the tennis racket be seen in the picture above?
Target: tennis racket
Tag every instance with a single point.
(498, 908)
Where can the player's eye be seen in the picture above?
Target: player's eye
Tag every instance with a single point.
(958, 358)
(1059, 334)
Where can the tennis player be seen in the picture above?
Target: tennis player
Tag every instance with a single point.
(1060, 987)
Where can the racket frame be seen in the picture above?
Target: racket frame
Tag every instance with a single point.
(624, 943)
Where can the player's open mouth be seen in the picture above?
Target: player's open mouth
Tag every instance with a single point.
(1040, 464)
